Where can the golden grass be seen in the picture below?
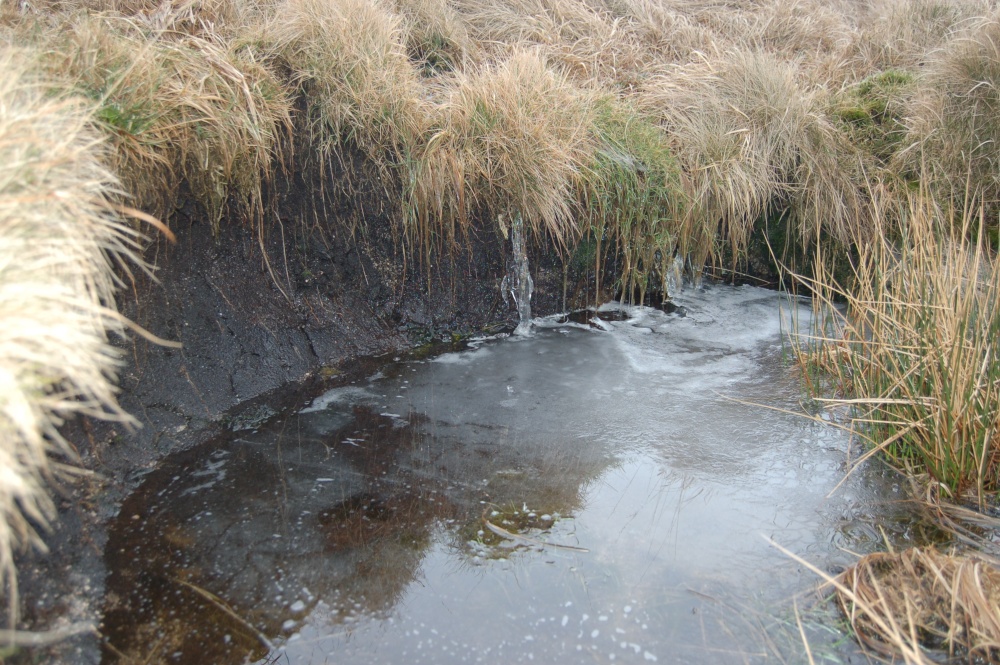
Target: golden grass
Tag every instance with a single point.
(752, 139)
(181, 109)
(584, 41)
(955, 128)
(359, 85)
(437, 37)
(663, 32)
(512, 139)
(60, 239)
(904, 602)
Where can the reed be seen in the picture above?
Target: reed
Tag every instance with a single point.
(914, 356)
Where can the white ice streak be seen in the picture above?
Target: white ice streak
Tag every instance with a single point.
(341, 395)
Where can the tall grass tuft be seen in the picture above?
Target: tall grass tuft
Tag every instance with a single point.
(915, 355)
(359, 84)
(59, 238)
(437, 37)
(511, 139)
(957, 120)
(753, 140)
(199, 110)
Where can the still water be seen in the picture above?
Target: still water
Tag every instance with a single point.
(596, 492)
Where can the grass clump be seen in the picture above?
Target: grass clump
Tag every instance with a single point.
(359, 85)
(957, 119)
(180, 109)
(59, 240)
(916, 353)
(901, 603)
(512, 139)
(633, 196)
(437, 38)
(752, 140)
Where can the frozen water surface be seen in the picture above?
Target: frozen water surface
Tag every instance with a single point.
(590, 493)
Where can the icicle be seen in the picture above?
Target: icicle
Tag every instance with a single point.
(675, 276)
(518, 281)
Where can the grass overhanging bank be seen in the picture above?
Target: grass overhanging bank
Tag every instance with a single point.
(636, 137)
(62, 237)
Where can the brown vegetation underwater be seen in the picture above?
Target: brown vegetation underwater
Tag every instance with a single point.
(858, 140)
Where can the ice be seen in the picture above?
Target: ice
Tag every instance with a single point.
(635, 442)
(518, 281)
(342, 395)
(462, 357)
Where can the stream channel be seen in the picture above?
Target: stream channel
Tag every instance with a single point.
(595, 492)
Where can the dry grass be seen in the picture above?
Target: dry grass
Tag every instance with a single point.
(359, 84)
(752, 139)
(904, 34)
(663, 32)
(512, 139)
(584, 41)
(955, 128)
(182, 105)
(438, 38)
(919, 599)
(59, 241)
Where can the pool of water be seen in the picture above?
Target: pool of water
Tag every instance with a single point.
(596, 492)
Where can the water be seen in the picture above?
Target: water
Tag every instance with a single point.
(627, 462)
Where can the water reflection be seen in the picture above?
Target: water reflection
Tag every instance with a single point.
(600, 491)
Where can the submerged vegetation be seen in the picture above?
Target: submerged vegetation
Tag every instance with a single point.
(643, 134)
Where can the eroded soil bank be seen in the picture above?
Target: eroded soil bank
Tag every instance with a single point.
(326, 280)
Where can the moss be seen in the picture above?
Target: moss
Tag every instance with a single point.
(872, 112)
(519, 520)
(633, 195)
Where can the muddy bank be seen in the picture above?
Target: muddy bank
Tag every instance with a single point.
(326, 279)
